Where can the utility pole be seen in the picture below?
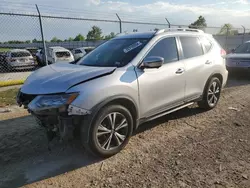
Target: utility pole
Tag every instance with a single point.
(120, 21)
(169, 25)
(41, 28)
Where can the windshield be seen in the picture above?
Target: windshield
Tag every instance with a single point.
(243, 49)
(114, 53)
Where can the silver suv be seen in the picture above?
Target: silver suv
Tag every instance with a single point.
(124, 82)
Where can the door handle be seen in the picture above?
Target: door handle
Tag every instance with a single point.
(208, 62)
(180, 70)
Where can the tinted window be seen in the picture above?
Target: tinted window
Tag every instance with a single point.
(244, 48)
(114, 53)
(206, 43)
(77, 51)
(62, 54)
(191, 47)
(166, 48)
(20, 54)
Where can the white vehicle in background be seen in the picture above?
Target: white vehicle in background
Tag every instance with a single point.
(59, 54)
(80, 52)
(19, 59)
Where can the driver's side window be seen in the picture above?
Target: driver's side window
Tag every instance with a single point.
(165, 48)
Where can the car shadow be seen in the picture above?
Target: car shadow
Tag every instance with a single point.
(185, 112)
(25, 157)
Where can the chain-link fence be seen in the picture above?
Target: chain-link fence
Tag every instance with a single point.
(27, 39)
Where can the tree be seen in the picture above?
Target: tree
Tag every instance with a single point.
(55, 39)
(110, 36)
(95, 33)
(79, 37)
(28, 41)
(34, 41)
(200, 23)
(227, 29)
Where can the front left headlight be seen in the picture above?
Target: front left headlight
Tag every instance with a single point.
(44, 102)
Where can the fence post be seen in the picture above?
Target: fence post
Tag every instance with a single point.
(169, 25)
(120, 21)
(41, 28)
(226, 37)
(243, 37)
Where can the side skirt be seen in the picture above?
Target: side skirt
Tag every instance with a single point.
(146, 119)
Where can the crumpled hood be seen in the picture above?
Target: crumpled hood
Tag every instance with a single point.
(236, 55)
(58, 78)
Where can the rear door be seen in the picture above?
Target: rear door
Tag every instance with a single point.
(197, 65)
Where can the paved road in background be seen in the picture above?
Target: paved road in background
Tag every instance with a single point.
(14, 76)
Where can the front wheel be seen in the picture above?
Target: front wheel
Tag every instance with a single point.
(109, 132)
(211, 94)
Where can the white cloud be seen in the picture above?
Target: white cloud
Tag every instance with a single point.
(243, 2)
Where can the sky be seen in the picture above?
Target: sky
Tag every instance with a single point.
(179, 12)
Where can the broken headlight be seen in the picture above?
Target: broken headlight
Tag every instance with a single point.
(44, 102)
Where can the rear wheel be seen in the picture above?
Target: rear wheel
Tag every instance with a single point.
(110, 131)
(211, 94)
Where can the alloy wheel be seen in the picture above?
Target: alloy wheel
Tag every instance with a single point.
(112, 131)
(213, 94)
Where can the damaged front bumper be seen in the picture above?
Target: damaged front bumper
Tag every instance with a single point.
(61, 119)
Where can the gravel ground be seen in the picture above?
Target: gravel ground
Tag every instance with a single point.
(189, 148)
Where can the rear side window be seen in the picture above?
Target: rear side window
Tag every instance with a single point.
(206, 43)
(62, 54)
(20, 54)
(78, 51)
(165, 48)
(191, 47)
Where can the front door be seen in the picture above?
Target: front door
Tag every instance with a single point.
(163, 88)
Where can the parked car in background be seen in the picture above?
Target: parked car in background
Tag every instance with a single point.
(40, 57)
(80, 52)
(2, 58)
(19, 59)
(123, 83)
(33, 51)
(59, 54)
(239, 58)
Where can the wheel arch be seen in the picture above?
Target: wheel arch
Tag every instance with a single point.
(123, 100)
(216, 75)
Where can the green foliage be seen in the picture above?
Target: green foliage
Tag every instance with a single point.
(95, 34)
(227, 29)
(79, 37)
(110, 36)
(200, 23)
(55, 39)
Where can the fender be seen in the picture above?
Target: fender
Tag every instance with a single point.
(209, 78)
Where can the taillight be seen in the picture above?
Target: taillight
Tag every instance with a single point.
(223, 53)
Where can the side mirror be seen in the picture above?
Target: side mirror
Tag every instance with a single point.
(152, 62)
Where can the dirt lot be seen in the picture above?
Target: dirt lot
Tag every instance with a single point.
(189, 148)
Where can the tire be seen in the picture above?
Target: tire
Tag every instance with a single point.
(102, 141)
(211, 94)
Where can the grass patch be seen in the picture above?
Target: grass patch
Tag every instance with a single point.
(4, 49)
(8, 97)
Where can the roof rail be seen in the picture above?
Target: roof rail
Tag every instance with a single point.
(178, 29)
